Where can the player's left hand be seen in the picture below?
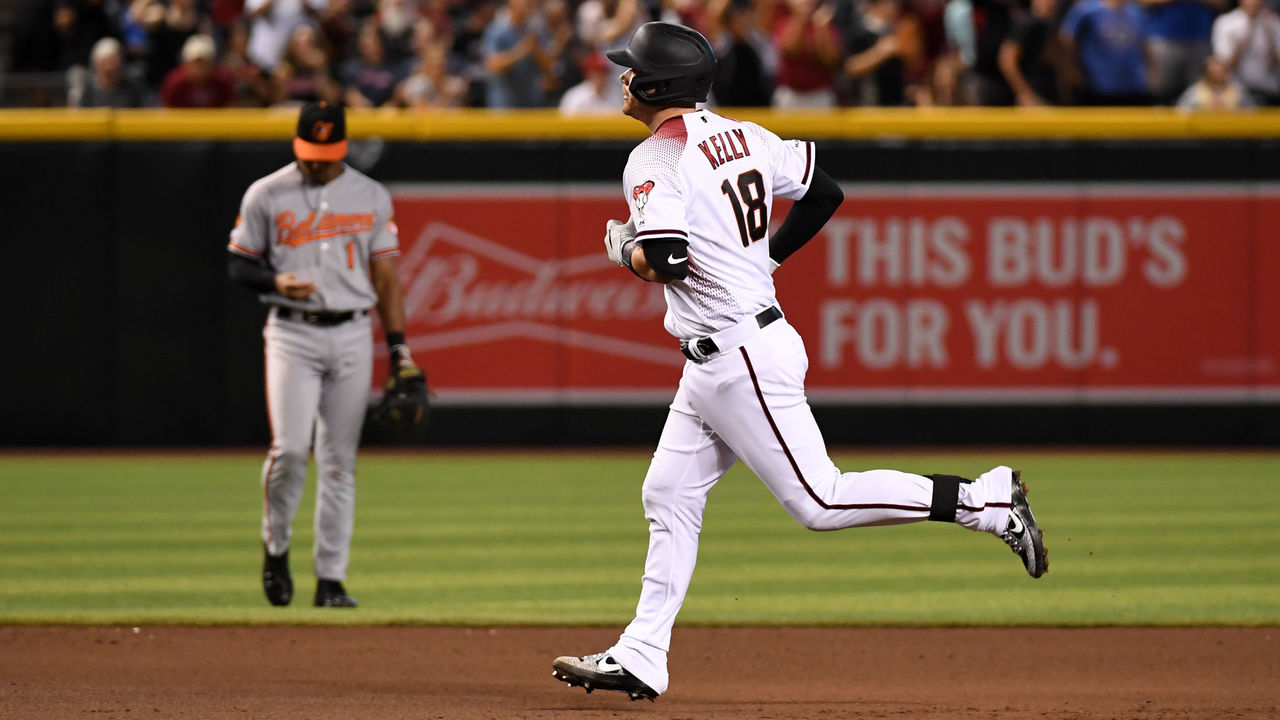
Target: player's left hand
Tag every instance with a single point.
(404, 372)
(618, 241)
(406, 402)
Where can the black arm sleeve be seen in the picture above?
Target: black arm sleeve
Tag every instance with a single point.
(807, 216)
(253, 274)
(668, 256)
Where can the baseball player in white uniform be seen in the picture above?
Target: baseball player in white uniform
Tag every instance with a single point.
(318, 241)
(700, 190)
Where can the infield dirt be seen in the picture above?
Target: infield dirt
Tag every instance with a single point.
(717, 673)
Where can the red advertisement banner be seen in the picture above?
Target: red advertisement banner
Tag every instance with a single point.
(1041, 293)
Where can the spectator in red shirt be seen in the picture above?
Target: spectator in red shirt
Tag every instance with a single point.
(198, 82)
(809, 50)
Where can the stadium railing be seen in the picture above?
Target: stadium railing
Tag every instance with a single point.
(479, 124)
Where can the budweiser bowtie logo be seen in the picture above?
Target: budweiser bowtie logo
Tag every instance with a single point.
(462, 289)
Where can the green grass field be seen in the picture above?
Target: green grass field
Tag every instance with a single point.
(444, 538)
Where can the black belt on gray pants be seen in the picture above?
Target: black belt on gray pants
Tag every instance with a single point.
(707, 347)
(317, 317)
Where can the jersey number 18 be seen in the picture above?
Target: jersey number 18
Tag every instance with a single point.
(753, 221)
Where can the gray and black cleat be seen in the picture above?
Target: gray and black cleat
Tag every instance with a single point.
(600, 672)
(330, 593)
(1022, 534)
(276, 581)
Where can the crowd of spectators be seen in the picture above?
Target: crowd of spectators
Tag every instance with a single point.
(550, 53)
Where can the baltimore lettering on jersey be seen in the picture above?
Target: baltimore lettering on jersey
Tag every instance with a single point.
(293, 234)
(725, 146)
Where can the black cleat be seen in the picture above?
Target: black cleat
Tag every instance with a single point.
(330, 593)
(600, 672)
(276, 581)
(1022, 534)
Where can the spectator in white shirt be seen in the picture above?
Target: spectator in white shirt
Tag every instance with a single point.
(608, 24)
(598, 93)
(273, 22)
(1247, 40)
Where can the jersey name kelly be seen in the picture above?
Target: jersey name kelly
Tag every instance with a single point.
(293, 233)
(710, 181)
(725, 146)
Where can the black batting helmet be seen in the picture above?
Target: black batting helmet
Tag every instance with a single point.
(674, 64)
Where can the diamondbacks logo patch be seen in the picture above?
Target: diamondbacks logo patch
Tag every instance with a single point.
(640, 195)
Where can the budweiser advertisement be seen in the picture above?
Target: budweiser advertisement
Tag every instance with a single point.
(1046, 293)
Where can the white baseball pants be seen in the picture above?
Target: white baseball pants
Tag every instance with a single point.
(749, 403)
(317, 387)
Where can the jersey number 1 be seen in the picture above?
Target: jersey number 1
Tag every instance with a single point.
(753, 221)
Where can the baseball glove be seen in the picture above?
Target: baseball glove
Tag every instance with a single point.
(405, 404)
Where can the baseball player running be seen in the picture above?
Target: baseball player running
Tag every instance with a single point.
(700, 190)
(317, 239)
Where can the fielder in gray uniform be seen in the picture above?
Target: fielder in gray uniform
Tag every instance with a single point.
(317, 239)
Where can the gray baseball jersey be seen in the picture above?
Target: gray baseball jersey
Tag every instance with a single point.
(317, 374)
(327, 234)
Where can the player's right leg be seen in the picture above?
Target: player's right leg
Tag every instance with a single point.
(293, 389)
(760, 410)
(689, 460)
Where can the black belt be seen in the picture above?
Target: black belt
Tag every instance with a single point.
(318, 317)
(708, 347)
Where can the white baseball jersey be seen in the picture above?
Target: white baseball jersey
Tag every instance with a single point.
(329, 232)
(711, 181)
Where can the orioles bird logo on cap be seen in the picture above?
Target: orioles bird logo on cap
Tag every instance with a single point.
(321, 131)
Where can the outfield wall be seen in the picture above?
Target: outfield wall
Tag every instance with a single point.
(1074, 277)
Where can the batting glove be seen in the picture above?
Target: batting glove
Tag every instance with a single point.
(619, 239)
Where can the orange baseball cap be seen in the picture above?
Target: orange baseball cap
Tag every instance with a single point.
(322, 133)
